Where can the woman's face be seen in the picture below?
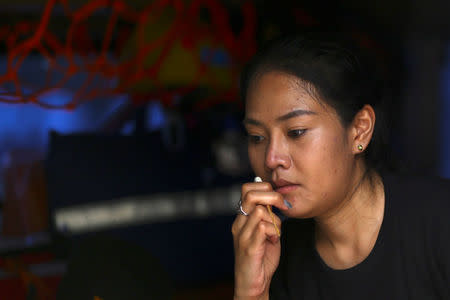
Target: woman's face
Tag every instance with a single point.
(299, 145)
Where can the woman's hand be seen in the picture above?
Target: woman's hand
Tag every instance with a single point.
(256, 242)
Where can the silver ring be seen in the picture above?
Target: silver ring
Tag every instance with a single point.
(240, 210)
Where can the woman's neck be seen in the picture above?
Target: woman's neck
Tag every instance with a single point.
(346, 236)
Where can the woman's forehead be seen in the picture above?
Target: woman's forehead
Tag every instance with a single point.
(279, 93)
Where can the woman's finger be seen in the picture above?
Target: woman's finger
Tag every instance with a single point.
(264, 231)
(238, 223)
(255, 186)
(256, 197)
(259, 214)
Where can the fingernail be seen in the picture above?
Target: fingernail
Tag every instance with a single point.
(287, 203)
(274, 239)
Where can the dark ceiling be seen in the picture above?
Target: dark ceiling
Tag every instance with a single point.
(392, 15)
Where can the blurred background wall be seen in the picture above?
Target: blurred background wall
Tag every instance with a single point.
(121, 141)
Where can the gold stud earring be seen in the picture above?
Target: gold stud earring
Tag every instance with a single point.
(360, 147)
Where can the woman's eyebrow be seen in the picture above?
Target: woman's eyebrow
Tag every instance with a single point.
(289, 115)
(251, 122)
(295, 113)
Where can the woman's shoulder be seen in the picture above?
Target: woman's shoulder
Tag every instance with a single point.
(417, 182)
(419, 195)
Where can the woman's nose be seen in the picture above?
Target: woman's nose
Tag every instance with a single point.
(277, 155)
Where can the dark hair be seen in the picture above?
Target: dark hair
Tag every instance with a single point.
(333, 70)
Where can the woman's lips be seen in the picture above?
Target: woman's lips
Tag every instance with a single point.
(286, 188)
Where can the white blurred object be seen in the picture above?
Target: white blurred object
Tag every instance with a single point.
(230, 152)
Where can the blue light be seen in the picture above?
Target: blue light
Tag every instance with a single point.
(156, 117)
(128, 128)
(28, 125)
(445, 119)
(216, 57)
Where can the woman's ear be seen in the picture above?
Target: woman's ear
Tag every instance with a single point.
(362, 129)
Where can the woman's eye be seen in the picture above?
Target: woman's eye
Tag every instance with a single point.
(255, 139)
(296, 133)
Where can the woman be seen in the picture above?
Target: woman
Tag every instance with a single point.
(312, 116)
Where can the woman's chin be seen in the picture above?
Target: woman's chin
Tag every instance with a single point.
(297, 213)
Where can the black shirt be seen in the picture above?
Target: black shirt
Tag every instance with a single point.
(410, 259)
